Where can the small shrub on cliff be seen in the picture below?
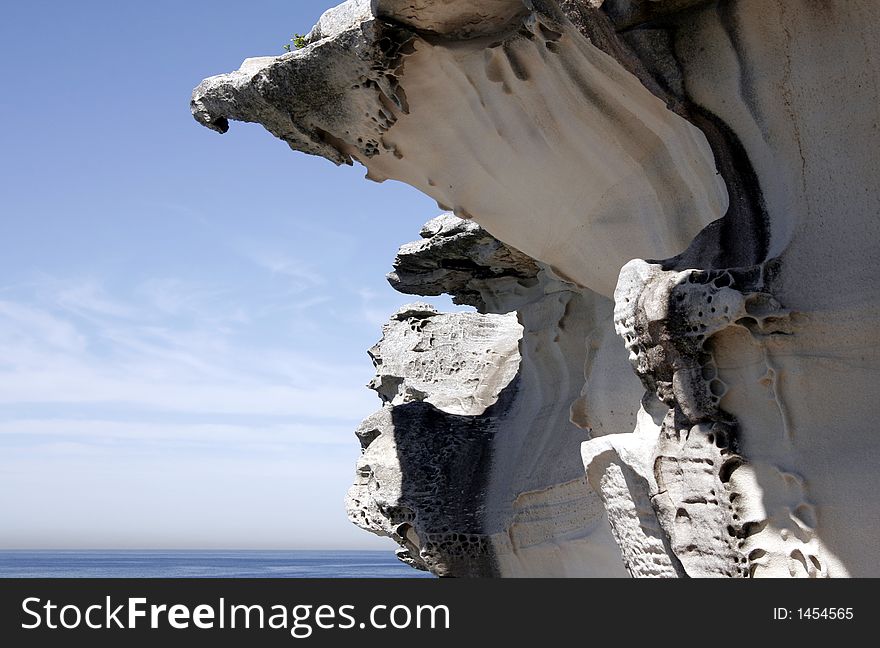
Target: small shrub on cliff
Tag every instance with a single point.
(298, 41)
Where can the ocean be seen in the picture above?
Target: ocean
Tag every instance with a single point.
(204, 564)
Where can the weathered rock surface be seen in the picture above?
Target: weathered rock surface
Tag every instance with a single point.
(698, 177)
(460, 258)
(468, 464)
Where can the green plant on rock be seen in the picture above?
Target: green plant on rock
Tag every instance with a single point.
(298, 41)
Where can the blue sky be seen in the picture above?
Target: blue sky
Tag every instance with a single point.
(183, 316)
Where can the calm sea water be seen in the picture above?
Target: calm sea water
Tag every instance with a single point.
(204, 564)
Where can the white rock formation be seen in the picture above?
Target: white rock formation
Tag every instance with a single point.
(469, 463)
(736, 140)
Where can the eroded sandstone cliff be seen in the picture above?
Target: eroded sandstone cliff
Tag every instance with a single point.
(666, 218)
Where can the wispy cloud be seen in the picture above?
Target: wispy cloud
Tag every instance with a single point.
(77, 385)
(21, 324)
(87, 297)
(174, 296)
(86, 347)
(280, 263)
(190, 412)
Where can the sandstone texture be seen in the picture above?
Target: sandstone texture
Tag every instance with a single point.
(665, 215)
